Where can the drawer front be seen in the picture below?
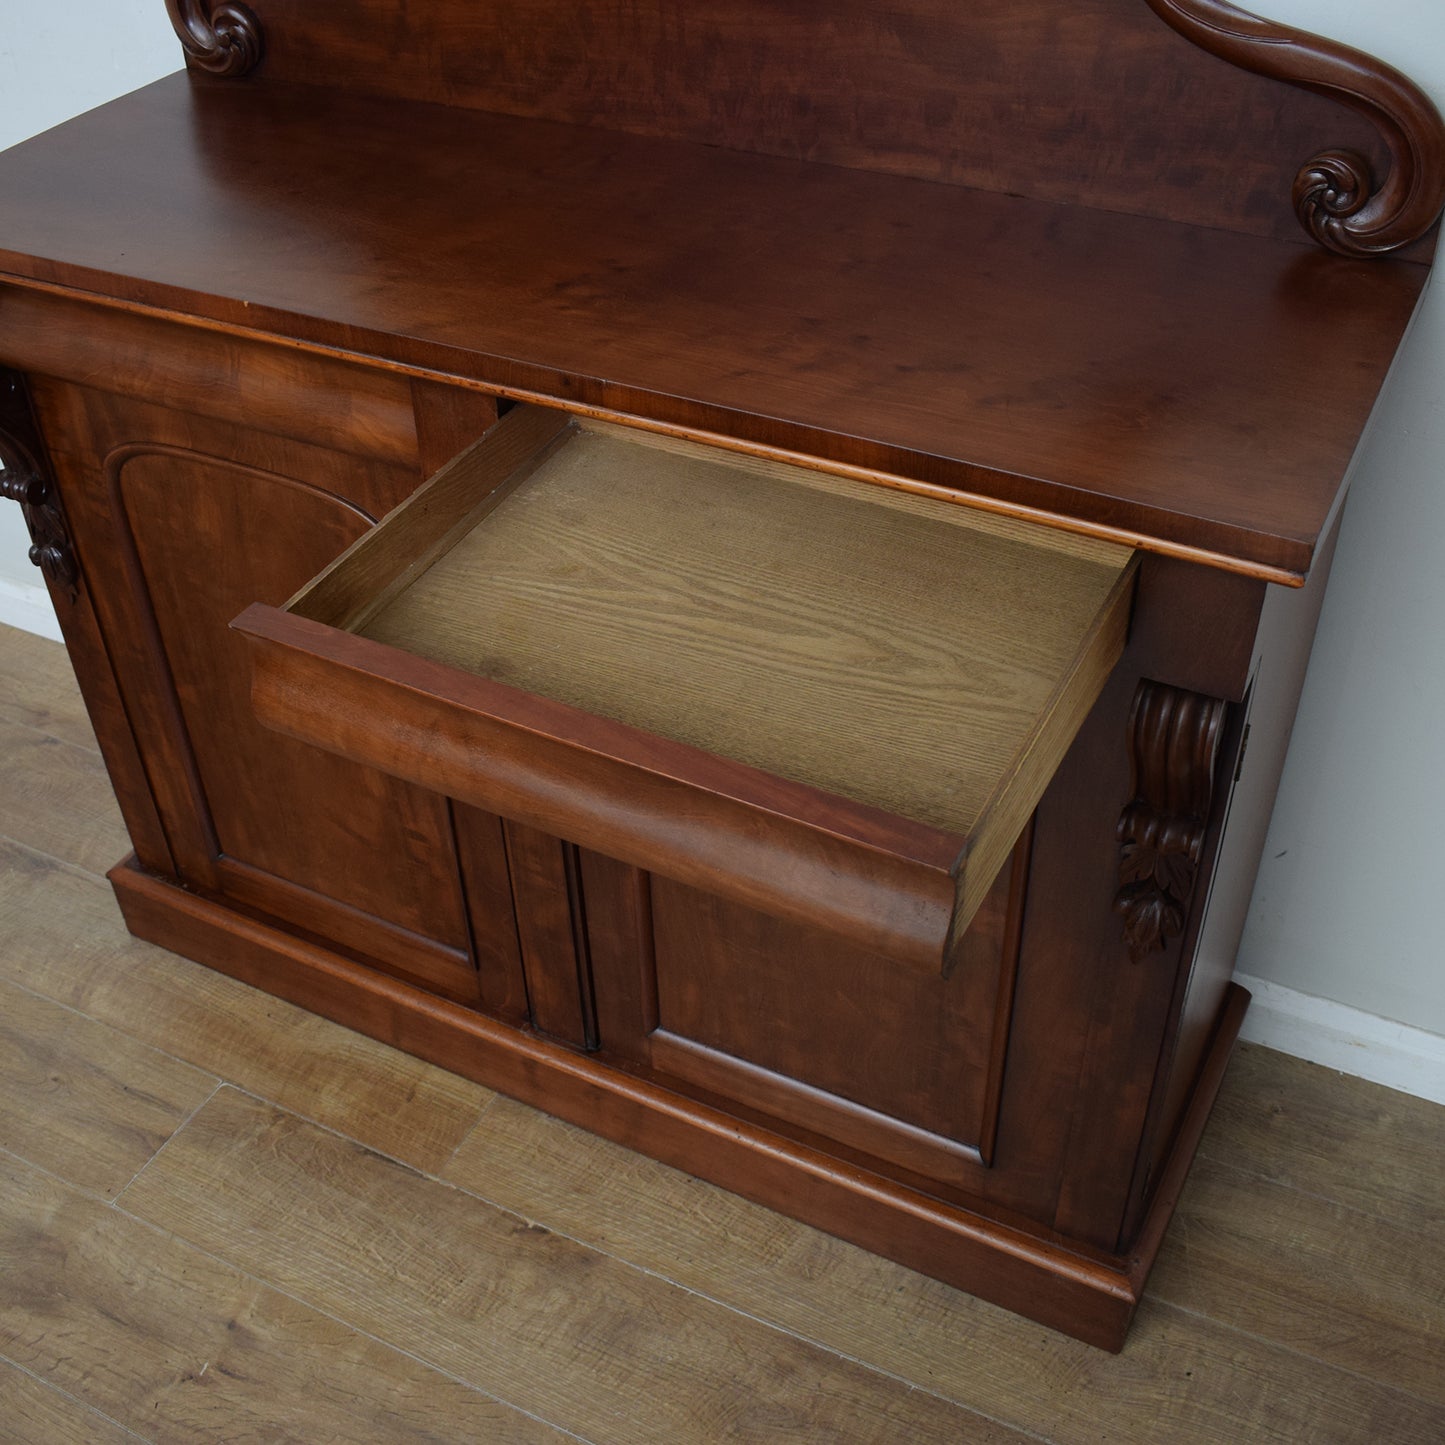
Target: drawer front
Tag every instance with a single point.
(809, 696)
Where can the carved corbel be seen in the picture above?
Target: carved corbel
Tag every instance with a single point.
(221, 39)
(1174, 739)
(1335, 194)
(25, 478)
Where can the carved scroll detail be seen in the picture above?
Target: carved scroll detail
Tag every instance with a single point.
(25, 478)
(1335, 195)
(1174, 739)
(223, 39)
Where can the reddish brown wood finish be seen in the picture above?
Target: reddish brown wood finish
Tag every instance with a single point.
(1089, 1294)
(255, 312)
(880, 880)
(220, 38)
(361, 411)
(26, 478)
(547, 894)
(894, 1065)
(1200, 390)
(912, 1046)
(1338, 198)
(1055, 101)
(159, 500)
(447, 421)
(487, 888)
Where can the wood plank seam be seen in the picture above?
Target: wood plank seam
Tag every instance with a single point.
(1220, 1162)
(51, 858)
(816, 1339)
(75, 1399)
(721, 1302)
(52, 736)
(456, 1148)
(1284, 1345)
(220, 1084)
(272, 1286)
(511, 1213)
(1157, 1304)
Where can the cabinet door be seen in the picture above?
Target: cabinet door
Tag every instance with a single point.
(181, 521)
(895, 1066)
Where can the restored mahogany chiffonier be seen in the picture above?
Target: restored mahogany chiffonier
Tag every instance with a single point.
(711, 565)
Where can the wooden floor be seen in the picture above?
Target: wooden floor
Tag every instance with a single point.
(224, 1219)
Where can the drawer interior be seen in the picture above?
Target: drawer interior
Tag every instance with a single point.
(893, 653)
(910, 671)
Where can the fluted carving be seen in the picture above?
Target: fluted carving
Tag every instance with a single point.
(25, 478)
(1335, 195)
(222, 39)
(1174, 739)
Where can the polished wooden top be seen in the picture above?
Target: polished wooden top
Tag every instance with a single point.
(1199, 390)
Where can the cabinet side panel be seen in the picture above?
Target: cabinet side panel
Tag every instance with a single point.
(1281, 653)
(1116, 996)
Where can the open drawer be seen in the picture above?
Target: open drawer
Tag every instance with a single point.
(821, 698)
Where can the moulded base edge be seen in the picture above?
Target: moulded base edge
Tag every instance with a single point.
(1080, 1292)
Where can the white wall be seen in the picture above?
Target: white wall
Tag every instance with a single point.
(1354, 864)
(55, 62)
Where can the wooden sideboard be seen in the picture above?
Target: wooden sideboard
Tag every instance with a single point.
(737, 575)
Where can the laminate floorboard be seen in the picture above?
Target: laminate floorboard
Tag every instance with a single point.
(571, 1335)
(1344, 1287)
(82, 1100)
(1183, 1375)
(56, 797)
(65, 940)
(183, 1348)
(274, 1273)
(38, 1414)
(37, 688)
(1311, 1129)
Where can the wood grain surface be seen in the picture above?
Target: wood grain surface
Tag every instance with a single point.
(65, 940)
(1065, 103)
(101, 1313)
(1349, 1288)
(1182, 1376)
(38, 1414)
(359, 410)
(1296, 1124)
(903, 661)
(386, 561)
(37, 689)
(57, 795)
(182, 1347)
(480, 1289)
(1201, 390)
(159, 500)
(83, 1100)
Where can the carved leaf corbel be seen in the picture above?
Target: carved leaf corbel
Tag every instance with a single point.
(25, 478)
(1174, 739)
(222, 39)
(1335, 195)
